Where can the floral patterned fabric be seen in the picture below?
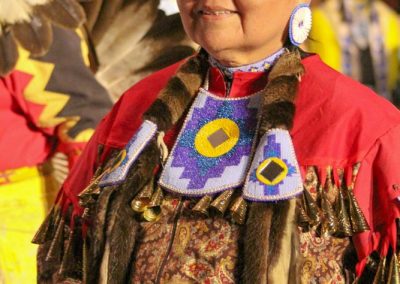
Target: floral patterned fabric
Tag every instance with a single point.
(182, 247)
(322, 258)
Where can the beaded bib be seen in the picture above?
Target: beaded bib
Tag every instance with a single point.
(214, 148)
(274, 173)
(129, 154)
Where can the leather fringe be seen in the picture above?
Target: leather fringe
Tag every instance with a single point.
(120, 225)
(60, 251)
(328, 203)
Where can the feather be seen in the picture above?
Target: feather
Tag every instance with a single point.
(37, 2)
(141, 40)
(14, 11)
(109, 10)
(8, 53)
(128, 28)
(92, 10)
(35, 36)
(66, 13)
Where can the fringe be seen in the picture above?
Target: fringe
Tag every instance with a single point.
(386, 270)
(271, 243)
(60, 251)
(328, 204)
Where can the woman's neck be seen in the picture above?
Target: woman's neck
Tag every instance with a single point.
(258, 66)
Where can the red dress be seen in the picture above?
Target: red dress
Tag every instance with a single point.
(340, 128)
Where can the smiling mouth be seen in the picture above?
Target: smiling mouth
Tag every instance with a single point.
(215, 12)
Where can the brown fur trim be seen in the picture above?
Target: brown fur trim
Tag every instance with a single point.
(121, 223)
(271, 248)
(280, 115)
(97, 236)
(278, 226)
(281, 246)
(295, 257)
(282, 88)
(256, 245)
(176, 97)
(288, 65)
(278, 107)
(270, 243)
(159, 114)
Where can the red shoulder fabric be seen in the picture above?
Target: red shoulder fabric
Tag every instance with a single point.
(377, 191)
(337, 119)
(114, 132)
(340, 122)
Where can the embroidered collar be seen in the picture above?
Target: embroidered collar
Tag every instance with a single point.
(260, 66)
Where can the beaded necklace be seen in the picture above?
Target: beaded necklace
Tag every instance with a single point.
(260, 66)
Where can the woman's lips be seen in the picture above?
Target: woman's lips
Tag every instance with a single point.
(217, 12)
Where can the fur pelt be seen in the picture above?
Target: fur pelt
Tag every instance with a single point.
(175, 99)
(270, 245)
(270, 241)
(115, 226)
(270, 248)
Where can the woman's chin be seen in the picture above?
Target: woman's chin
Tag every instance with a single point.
(219, 44)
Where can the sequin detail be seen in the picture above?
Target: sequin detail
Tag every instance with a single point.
(188, 171)
(274, 174)
(217, 138)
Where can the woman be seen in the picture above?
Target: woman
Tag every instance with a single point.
(273, 168)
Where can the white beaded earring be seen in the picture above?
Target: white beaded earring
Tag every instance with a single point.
(300, 24)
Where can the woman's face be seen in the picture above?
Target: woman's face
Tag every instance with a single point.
(236, 31)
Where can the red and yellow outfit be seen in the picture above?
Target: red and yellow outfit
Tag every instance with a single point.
(340, 126)
(45, 107)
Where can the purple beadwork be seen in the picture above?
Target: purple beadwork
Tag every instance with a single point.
(189, 172)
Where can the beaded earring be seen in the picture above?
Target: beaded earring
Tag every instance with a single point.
(300, 24)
